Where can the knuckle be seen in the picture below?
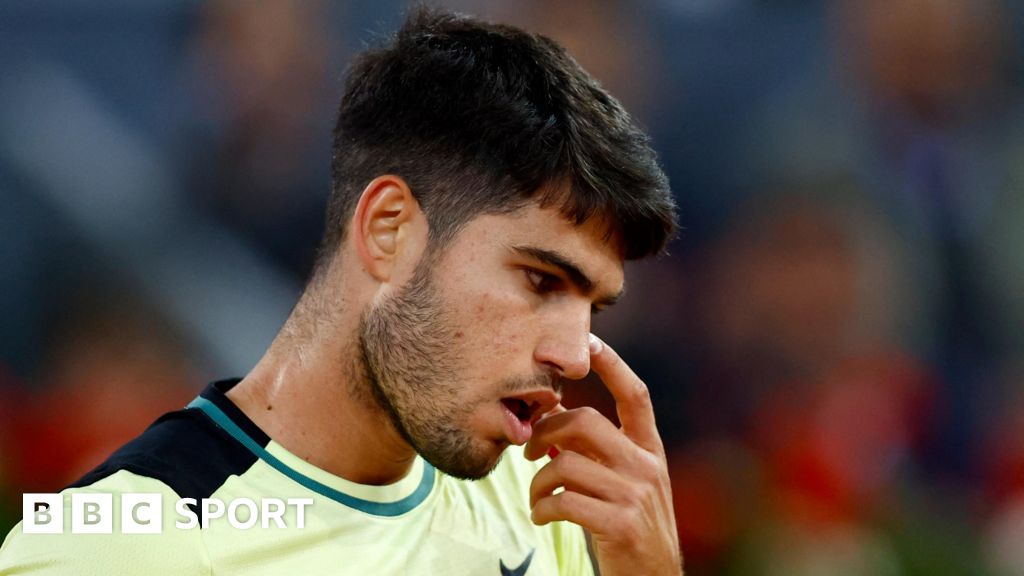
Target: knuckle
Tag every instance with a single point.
(650, 473)
(631, 528)
(634, 494)
(650, 468)
(587, 413)
(561, 465)
(640, 393)
(562, 504)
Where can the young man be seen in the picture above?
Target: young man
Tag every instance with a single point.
(486, 193)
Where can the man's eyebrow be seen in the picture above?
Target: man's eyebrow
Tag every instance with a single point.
(570, 269)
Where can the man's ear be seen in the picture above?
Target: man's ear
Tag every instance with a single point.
(384, 226)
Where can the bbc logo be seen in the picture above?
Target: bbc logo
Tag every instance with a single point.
(91, 513)
(140, 513)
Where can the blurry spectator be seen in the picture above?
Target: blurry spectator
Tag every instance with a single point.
(800, 377)
(806, 277)
(916, 112)
(264, 100)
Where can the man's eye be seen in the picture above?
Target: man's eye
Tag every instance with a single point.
(541, 282)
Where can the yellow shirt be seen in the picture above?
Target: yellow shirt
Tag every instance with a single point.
(426, 523)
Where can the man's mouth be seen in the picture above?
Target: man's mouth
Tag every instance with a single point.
(520, 408)
(524, 410)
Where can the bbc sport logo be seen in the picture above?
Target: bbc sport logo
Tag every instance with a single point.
(142, 513)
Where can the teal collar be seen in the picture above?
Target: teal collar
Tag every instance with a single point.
(395, 508)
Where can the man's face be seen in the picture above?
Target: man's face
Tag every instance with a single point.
(471, 352)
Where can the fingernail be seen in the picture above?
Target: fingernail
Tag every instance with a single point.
(552, 452)
(595, 345)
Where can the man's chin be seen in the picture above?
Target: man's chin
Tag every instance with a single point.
(468, 467)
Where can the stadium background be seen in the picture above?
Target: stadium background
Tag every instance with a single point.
(835, 345)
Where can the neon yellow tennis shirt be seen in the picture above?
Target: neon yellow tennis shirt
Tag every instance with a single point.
(426, 523)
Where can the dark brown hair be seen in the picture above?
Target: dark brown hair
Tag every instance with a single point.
(482, 118)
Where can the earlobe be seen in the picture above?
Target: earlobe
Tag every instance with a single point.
(385, 208)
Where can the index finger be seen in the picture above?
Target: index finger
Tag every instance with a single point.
(632, 398)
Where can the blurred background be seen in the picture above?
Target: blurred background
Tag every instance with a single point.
(835, 344)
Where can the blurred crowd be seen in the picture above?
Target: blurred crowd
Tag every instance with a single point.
(835, 344)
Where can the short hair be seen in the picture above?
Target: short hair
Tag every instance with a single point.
(482, 118)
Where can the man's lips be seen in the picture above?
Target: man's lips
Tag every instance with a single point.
(523, 410)
(530, 406)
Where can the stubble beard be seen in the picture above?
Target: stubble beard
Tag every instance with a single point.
(411, 369)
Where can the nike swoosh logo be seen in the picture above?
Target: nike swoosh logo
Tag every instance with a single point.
(520, 570)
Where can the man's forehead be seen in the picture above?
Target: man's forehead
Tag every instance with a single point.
(552, 220)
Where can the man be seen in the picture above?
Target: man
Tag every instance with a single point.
(485, 193)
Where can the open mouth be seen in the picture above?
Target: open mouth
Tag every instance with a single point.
(521, 410)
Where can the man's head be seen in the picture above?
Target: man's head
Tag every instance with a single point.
(482, 119)
(486, 191)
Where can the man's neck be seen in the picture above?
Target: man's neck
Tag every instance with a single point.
(313, 404)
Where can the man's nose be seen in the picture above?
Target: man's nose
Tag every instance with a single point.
(565, 347)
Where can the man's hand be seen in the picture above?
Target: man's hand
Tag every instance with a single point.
(616, 479)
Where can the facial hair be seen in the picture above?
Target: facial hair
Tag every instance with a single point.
(412, 366)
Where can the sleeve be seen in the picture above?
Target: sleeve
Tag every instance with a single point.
(171, 551)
